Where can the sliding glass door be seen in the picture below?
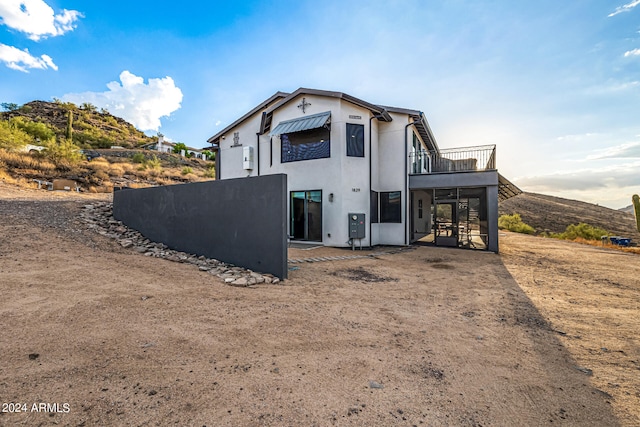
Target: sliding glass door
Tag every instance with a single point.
(306, 215)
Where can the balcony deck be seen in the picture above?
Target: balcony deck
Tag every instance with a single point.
(463, 159)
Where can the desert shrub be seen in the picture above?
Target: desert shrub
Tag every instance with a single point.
(25, 161)
(62, 152)
(210, 172)
(186, 170)
(101, 175)
(154, 163)
(581, 231)
(514, 223)
(12, 137)
(138, 158)
(99, 164)
(116, 170)
(36, 130)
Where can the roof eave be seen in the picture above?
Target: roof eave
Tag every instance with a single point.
(215, 139)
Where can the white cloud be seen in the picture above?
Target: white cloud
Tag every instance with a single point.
(36, 18)
(22, 60)
(634, 52)
(141, 104)
(577, 137)
(612, 178)
(629, 151)
(625, 8)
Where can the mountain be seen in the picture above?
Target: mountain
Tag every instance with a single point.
(549, 213)
(91, 128)
(628, 209)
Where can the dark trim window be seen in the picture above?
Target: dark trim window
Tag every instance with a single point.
(391, 206)
(374, 207)
(355, 140)
(306, 145)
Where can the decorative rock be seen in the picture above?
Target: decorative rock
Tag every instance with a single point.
(99, 217)
(373, 384)
(242, 281)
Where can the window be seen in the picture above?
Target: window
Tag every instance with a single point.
(306, 145)
(391, 206)
(374, 207)
(355, 140)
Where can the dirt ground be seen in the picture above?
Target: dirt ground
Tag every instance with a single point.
(546, 333)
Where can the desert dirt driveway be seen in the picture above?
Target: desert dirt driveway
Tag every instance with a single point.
(428, 336)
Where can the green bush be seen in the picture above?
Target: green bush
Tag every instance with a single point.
(154, 163)
(138, 158)
(37, 130)
(12, 137)
(210, 172)
(62, 151)
(186, 170)
(514, 223)
(581, 231)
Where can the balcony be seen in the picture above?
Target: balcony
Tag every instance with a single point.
(451, 160)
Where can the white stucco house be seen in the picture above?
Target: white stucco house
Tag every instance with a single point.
(365, 174)
(167, 147)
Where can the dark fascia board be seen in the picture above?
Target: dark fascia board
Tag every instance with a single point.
(376, 110)
(264, 104)
(420, 122)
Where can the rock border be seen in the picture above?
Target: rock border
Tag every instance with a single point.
(99, 218)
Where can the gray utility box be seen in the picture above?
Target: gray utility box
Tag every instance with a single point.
(356, 226)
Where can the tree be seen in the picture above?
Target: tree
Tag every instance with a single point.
(39, 131)
(87, 106)
(12, 137)
(179, 146)
(9, 106)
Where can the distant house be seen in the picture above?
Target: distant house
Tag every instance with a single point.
(167, 147)
(360, 173)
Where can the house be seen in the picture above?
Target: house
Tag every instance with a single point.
(167, 147)
(365, 174)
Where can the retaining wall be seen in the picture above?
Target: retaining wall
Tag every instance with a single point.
(240, 221)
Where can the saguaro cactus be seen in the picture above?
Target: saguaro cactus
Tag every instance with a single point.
(636, 209)
(70, 125)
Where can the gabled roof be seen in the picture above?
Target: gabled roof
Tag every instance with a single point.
(264, 104)
(379, 111)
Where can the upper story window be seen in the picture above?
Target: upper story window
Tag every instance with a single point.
(355, 140)
(306, 145)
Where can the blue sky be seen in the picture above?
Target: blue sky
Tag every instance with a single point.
(555, 84)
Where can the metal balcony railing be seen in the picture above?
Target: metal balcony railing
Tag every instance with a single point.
(464, 159)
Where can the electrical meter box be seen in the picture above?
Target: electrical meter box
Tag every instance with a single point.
(356, 226)
(247, 158)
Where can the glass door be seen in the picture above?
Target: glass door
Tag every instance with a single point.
(306, 215)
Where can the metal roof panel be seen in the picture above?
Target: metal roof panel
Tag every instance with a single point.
(313, 121)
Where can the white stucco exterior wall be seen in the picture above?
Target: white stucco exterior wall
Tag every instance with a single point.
(347, 178)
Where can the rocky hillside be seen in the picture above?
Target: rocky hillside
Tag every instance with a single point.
(91, 128)
(549, 213)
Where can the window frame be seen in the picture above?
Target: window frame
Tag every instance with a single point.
(360, 147)
(287, 157)
(389, 212)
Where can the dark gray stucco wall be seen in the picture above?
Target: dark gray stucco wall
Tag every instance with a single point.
(240, 221)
